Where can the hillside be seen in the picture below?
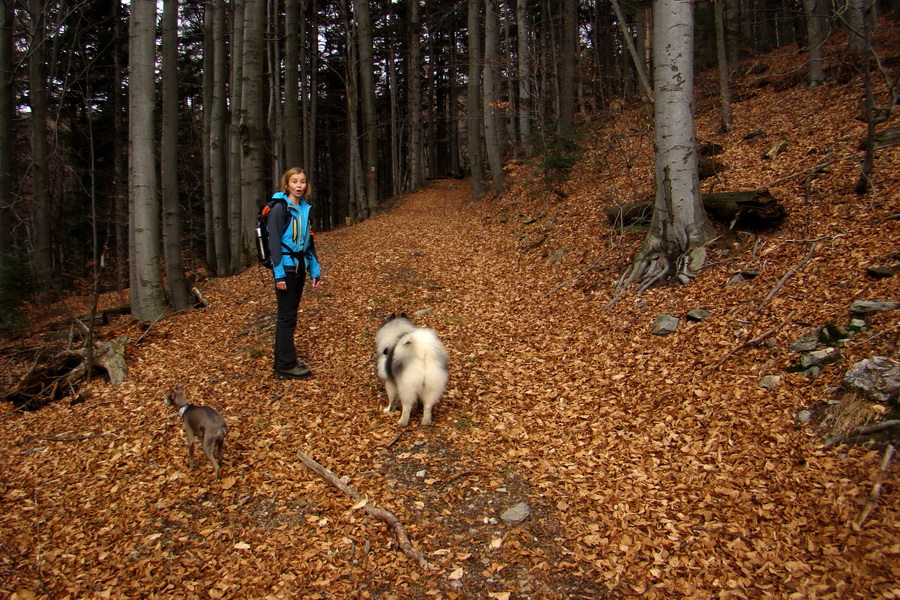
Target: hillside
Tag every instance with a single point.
(653, 466)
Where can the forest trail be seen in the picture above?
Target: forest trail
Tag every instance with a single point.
(644, 477)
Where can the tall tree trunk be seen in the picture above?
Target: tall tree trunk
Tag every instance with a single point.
(218, 143)
(523, 36)
(396, 127)
(40, 177)
(639, 63)
(679, 223)
(733, 36)
(568, 60)
(724, 88)
(861, 14)
(356, 205)
(815, 27)
(293, 141)
(209, 53)
(253, 180)
(178, 287)
(6, 134)
(367, 103)
(491, 134)
(230, 228)
(473, 100)
(148, 299)
(414, 86)
(120, 201)
(272, 83)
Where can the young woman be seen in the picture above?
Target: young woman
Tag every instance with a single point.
(293, 257)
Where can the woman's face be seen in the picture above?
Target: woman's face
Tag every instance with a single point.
(297, 185)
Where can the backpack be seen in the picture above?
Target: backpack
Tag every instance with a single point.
(262, 232)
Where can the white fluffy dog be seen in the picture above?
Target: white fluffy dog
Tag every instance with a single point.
(412, 362)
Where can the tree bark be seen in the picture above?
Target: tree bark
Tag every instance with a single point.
(568, 60)
(679, 223)
(218, 142)
(473, 117)
(228, 231)
(148, 302)
(815, 28)
(253, 182)
(722, 52)
(632, 51)
(293, 143)
(40, 178)
(178, 287)
(523, 35)
(6, 139)
(414, 86)
(491, 127)
(209, 51)
(367, 104)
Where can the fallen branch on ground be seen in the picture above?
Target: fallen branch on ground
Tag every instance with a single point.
(755, 341)
(381, 514)
(876, 489)
(861, 431)
(787, 276)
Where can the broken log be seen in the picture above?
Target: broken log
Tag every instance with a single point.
(754, 210)
(53, 377)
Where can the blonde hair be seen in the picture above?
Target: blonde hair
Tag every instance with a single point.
(286, 178)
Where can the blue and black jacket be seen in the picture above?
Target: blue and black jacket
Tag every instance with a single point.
(295, 241)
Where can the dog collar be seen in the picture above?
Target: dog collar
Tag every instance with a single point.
(183, 410)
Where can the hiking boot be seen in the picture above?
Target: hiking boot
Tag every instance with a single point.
(299, 371)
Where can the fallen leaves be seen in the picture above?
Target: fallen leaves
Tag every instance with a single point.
(643, 477)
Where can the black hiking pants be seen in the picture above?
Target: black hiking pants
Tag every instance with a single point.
(286, 320)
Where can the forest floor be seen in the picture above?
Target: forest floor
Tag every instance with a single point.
(653, 466)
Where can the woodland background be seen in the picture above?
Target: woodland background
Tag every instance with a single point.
(653, 466)
(217, 98)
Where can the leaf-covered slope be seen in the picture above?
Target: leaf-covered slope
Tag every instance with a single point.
(653, 468)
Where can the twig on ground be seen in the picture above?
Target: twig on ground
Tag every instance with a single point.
(149, 327)
(876, 489)
(787, 276)
(379, 513)
(397, 437)
(80, 438)
(755, 341)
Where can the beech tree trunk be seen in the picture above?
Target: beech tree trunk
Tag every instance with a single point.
(722, 52)
(228, 232)
(40, 177)
(6, 146)
(491, 133)
(293, 146)
(815, 34)
(178, 287)
(632, 51)
(253, 165)
(523, 35)
(148, 299)
(367, 104)
(473, 99)
(679, 223)
(414, 83)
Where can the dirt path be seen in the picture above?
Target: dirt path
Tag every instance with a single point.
(643, 478)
